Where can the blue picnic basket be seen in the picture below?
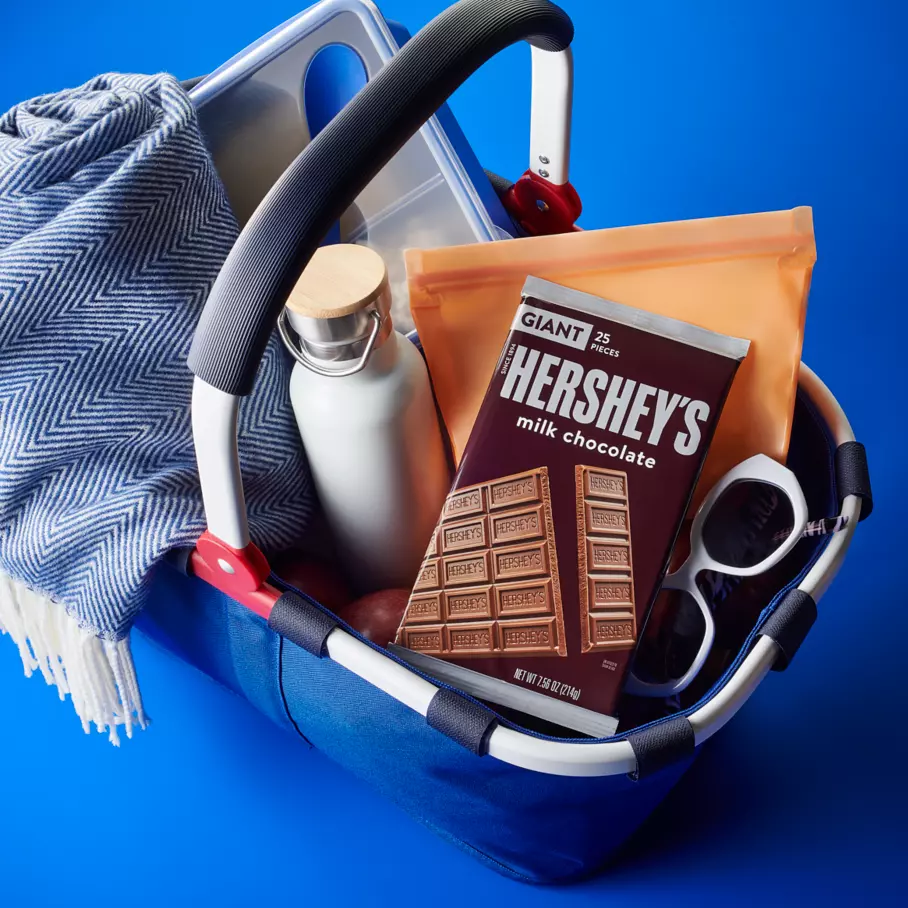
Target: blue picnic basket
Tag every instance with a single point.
(532, 806)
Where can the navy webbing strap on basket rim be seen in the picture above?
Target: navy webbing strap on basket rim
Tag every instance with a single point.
(461, 719)
(302, 623)
(789, 624)
(661, 745)
(852, 475)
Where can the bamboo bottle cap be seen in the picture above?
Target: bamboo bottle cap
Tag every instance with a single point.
(339, 280)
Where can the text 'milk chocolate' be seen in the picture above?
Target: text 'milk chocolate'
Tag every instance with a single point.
(553, 542)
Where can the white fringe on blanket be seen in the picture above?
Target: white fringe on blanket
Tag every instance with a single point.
(98, 674)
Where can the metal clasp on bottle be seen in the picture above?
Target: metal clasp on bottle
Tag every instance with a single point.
(304, 359)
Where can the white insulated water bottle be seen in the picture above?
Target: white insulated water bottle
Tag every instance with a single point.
(363, 403)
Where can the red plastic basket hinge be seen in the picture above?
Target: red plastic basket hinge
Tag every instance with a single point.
(241, 574)
(542, 208)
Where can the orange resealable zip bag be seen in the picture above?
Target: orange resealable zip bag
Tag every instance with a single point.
(746, 276)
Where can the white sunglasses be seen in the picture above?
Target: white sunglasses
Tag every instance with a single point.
(715, 546)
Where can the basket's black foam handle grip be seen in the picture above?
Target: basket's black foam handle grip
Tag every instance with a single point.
(291, 221)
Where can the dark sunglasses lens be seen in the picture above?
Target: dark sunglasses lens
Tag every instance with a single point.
(748, 523)
(672, 639)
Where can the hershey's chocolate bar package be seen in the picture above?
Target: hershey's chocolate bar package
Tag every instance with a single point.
(553, 542)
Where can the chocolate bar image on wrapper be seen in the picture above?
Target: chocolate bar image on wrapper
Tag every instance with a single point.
(604, 560)
(489, 584)
(558, 530)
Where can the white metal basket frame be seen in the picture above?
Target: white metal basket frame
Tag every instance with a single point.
(215, 421)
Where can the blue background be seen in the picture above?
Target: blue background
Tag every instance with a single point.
(681, 110)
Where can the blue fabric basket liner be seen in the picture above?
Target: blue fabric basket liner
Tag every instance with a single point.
(532, 826)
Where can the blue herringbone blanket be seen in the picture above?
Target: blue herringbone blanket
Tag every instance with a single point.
(113, 225)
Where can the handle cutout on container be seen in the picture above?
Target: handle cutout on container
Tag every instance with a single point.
(335, 74)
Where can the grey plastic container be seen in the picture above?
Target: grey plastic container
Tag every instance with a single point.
(253, 112)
